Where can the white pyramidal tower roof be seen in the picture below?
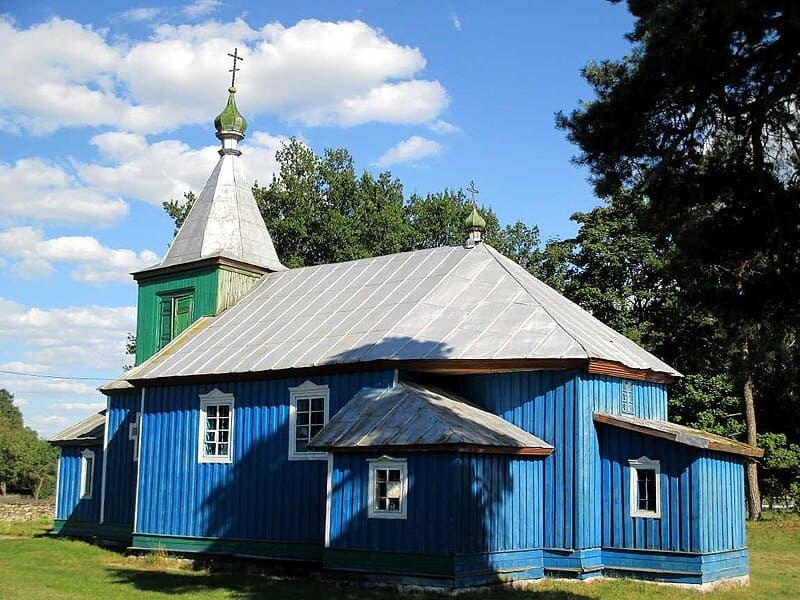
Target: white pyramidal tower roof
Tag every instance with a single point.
(225, 220)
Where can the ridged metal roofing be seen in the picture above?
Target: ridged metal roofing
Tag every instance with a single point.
(409, 415)
(679, 433)
(441, 303)
(90, 431)
(224, 221)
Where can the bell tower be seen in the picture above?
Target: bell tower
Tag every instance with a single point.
(222, 249)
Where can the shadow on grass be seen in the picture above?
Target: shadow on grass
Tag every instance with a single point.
(283, 585)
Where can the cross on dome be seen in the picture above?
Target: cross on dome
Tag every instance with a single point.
(235, 56)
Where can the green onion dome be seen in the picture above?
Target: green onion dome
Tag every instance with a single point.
(230, 119)
(475, 220)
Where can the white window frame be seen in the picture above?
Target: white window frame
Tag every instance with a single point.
(387, 462)
(644, 463)
(628, 406)
(134, 434)
(86, 456)
(215, 397)
(307, 389)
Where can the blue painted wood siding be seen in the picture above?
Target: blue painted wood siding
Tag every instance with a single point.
(261, 495)
(69, 505)
(120, 490)
(457, 503)
(702, 496)
(557, 406)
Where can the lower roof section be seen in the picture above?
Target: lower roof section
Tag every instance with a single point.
(411, 417)
(88, 432)
(680, 434)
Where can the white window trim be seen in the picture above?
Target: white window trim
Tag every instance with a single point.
(635, 465)
(307, 389)
(214, 397)
(627, 385)
(85, 456)
(387, 462)
(134, 434)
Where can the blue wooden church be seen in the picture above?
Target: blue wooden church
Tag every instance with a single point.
(436, 417)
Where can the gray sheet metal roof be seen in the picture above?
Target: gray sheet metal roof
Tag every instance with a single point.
(441, 303)
(224, 221)
(679, 433)
(88, 432)
(410, 415)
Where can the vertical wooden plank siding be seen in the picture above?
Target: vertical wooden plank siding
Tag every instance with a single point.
(203, 282)
(557, 406)
(457, 504)
(702, 496)
(120, 467)
(233, 284)
(69, 503)
(261, 495)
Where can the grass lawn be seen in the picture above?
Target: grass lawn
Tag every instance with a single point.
(34, 565)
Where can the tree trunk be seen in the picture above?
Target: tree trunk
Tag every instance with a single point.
(2, 488)
(37, 490)
(753, 493)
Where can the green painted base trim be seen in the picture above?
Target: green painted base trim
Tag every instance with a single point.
(231, 547)
(119, 533)
(393, 563)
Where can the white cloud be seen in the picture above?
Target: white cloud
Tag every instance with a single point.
(456, 21)
(141, 14)
(201, 8)
(340, 73)
(411, 150)
(443, 127)
(39, 190)
(88, 336)
(81, 406)
(165, 170)
(94, 262)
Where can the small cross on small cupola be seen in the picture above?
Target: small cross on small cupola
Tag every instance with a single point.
(230, 124)
(475, 223)
(235, 56)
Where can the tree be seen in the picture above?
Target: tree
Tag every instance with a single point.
(25, 460)
(700, 124)
(179, 210)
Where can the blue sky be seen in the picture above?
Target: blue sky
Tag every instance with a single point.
(106, 110)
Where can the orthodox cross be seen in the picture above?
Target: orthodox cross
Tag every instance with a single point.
(474, 191)
(235, 56)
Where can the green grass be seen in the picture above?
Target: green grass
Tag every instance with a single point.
(35, 565)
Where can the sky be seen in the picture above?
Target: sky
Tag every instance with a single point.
(106, 111)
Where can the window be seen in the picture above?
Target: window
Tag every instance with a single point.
(177, 312)
(388, 487)
(133, 434)
(87, 474)
(645, 488)
(216, 427)
(627, 397)
(308, 414)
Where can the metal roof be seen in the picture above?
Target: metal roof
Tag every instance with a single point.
(413, 416)
(224, 221)
(679, 433)
(90, 431)
(441, 303)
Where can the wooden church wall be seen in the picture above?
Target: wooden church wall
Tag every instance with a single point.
(468, 516)
(120, 468)
(557, 406)
(69, 505)
(261, 495)
(702, 496)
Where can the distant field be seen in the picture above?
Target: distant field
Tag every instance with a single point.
(34, 565)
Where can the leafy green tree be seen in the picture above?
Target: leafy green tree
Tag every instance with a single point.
(700, 122)
(178, 210)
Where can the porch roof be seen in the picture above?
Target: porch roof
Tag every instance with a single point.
(413, 417)
(680, 434)
(88, 432)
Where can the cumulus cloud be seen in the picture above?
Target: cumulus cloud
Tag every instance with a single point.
(443, 127)
(141, 14)
(201, 8)
(338, 73)
(94, 262)
(87, 336)
(411, 150)
(37, 189)
(166, 169)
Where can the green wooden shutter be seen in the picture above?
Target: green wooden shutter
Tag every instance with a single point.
(165, 329)
(183, 315)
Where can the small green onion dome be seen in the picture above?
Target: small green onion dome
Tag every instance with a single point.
(230, 119)
(475, 220)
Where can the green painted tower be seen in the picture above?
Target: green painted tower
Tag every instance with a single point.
(219, 253)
